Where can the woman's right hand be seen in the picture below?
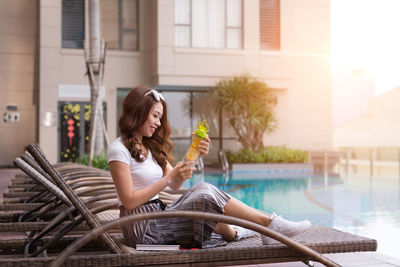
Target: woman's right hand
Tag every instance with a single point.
(180, 173)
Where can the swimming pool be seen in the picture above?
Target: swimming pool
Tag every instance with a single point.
(361, 205)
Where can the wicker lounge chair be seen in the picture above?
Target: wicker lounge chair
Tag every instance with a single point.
(317, 239)
(23, 190)
(54, 199)
(58, 198)
(305, 247)
(67, 220)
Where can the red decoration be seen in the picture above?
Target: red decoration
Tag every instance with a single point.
(71, 129)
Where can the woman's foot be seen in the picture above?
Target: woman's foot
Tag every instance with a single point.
(242, 232)
(284, 227)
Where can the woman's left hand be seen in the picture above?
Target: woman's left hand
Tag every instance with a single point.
(204, 147)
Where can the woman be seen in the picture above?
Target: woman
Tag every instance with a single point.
(140, 168)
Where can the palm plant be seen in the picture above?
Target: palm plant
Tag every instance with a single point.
(249, 105)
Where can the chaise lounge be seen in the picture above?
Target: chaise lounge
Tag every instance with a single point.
(305, 247)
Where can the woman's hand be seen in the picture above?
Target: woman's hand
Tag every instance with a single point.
(204, 147)
(180, 173)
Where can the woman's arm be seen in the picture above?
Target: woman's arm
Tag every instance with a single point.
(132, 198)
(177, 184)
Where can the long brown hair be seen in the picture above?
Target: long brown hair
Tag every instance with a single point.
(135, 111)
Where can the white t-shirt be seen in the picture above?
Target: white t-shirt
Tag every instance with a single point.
(143, 173)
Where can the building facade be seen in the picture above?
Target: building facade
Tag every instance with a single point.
(183, 47)
(19, 77)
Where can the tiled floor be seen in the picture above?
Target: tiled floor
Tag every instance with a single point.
(360, 259)
(368, 259)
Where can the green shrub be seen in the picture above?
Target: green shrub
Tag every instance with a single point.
(270, 154)
(99, 161)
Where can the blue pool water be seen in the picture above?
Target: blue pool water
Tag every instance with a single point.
(361, 205)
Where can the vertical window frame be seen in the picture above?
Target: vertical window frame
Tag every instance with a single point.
(186, 25)
(232, 27)
(123, 30)
(116, 42)
(226, 27)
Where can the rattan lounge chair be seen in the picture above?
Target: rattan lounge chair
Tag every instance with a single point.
(317, 239)
(41, 193)
(51, 198)
(29, 192)
(58, 199)
(305, 247)
(20, 245)
(64, 223)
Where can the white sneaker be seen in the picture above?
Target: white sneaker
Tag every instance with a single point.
(284, 227)
(242, 232)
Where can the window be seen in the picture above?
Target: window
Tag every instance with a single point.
(270, 34)
(119, 24)
(73, 23)
(73, 129)
(208, 23)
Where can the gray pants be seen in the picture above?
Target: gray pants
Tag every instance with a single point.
(183, 231)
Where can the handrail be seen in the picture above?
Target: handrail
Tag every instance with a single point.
(200, 167)
(200, 164)
(224, 161)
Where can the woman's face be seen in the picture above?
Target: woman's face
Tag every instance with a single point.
(153, 121)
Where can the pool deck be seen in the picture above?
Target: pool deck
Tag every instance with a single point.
(356, 259)
(368, 259)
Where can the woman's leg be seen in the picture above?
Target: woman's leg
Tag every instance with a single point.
(238, 209)
(228, 233)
